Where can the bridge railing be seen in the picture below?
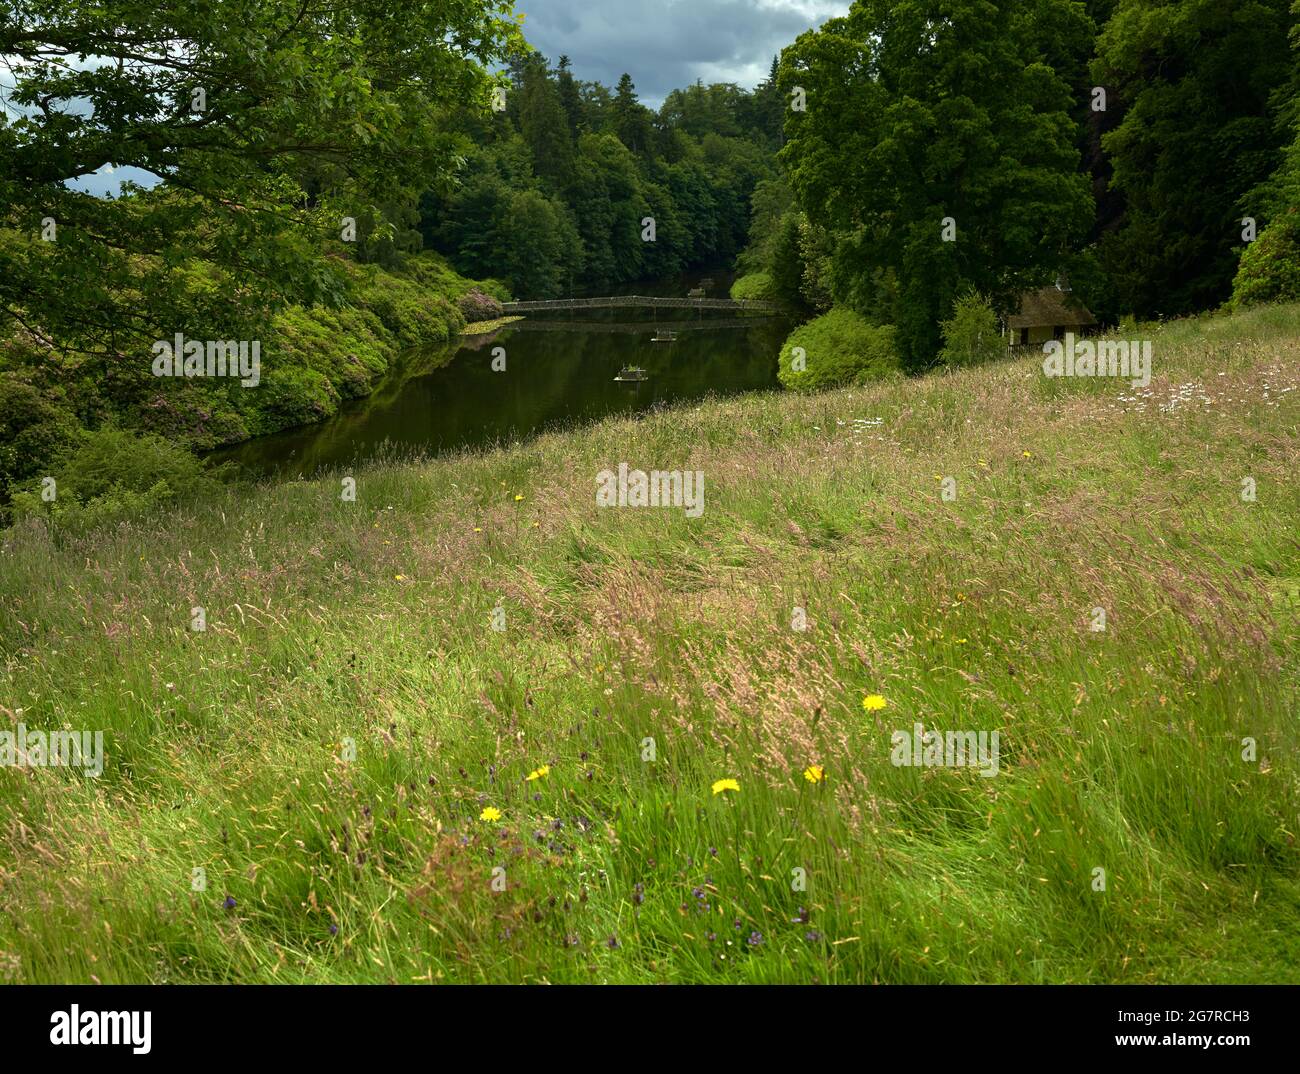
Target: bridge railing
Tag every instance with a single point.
(613, 301)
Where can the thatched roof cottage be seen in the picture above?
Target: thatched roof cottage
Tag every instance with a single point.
(1047, 313)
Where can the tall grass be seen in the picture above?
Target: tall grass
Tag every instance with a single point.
(331, 624)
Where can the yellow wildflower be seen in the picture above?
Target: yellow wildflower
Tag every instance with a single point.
(874, 703)
(814, 773)
(491, 814)
(539, 773)
(725, 785)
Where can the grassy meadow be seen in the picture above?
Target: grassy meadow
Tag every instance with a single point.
(346, 750)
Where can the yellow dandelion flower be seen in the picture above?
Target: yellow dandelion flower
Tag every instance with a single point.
(874, 703)
(518, 498)
(399, 578)
(491, 814)
(1027, 454)
(814, 773)
(478, 529)
(539, 773)
(725, 785)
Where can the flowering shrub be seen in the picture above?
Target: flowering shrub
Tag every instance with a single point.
(474, 305)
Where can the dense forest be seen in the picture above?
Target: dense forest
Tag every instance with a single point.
(559, 186)
(1148, 153)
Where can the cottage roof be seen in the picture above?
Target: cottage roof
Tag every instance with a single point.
(1049, 307)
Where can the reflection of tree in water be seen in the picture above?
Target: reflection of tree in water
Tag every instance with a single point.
(443, 398)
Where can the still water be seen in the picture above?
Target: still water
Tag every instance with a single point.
(559, 371)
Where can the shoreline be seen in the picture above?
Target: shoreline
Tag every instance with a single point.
(482, 328)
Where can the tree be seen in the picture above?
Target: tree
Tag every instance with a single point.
(696, 199)
(544, 126)
(606, 199)
(570, 99)
(1199, 77)
(630, 117)
(769, 105)
(539, 246)
(971, 334)
(785, 261)
(770, 201)
(465, 226)
(266, 122)
(929, 121)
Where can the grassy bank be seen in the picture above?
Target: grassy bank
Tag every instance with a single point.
(369, 624)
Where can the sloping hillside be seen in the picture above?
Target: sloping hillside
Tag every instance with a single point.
(378, 785)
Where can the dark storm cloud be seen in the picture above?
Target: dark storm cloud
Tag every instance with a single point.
(665, 44)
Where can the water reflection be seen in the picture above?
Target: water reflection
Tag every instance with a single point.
(557, 372)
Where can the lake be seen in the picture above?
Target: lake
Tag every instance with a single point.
(559, 371)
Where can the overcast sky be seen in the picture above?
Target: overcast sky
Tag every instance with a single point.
(665, 44)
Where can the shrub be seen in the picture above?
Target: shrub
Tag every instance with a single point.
(474, 306)
(970, 335)
(756, 285)
(412, 311)
(292, 395)
(1270, 266)
(111, 472)
(34, 431)
(840, 347)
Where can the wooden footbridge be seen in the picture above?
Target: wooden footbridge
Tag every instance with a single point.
(732, 305)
